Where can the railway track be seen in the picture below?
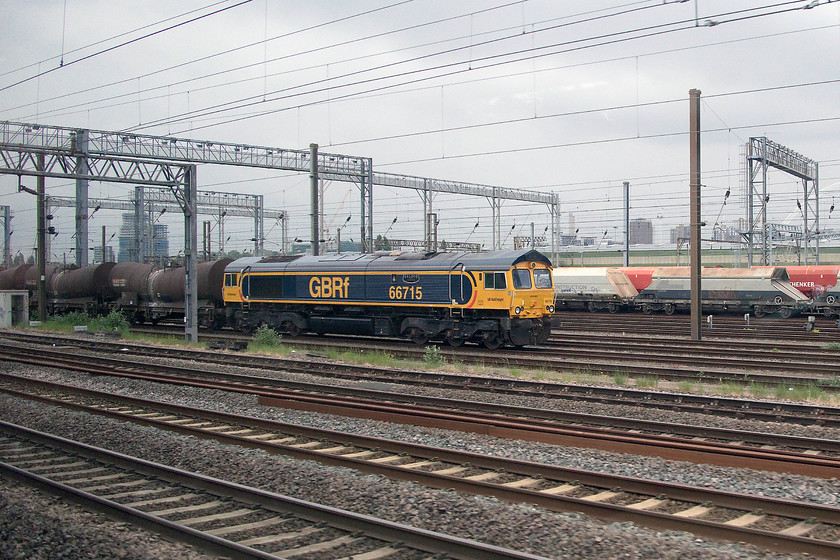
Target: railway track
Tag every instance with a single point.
(225, 518)
(763, 410)
(633, 356)
(779, 524)
(729, 326)
(763, 451)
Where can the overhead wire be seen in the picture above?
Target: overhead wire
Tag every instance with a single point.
(123, 44)
(490, 62)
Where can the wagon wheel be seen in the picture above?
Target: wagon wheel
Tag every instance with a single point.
(453, 340)
(646, 309)
(670, 308)
(292, 328)
(759, 311)
(785, 312)
(612, 307)
(418, 336)
(491, 340)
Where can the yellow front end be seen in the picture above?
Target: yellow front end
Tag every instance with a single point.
(525, 291)
(532, 295)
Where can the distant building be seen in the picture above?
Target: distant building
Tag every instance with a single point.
(641, 232)
(109, 254)
(156, 248)
(680, 233)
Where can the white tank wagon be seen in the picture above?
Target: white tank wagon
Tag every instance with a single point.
(593, 288)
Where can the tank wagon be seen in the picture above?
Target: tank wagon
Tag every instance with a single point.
(595, 289)
(14, 278)
(494, 298)
(143, 292)
(83, 288)
(759, 291)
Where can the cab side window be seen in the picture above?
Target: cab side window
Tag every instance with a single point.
(230, 280)
(521, 278)
(495, 281)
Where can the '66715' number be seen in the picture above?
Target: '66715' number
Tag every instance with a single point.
(405, 292)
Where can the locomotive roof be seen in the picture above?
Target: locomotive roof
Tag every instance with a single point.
(394, 260)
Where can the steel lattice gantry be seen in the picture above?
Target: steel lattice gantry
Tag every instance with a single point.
(339, 167)
(762, 154)
(218, 204)
(495, 195)
(46, 152)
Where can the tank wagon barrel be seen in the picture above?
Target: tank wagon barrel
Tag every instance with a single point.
(87, 282)
(14, 278)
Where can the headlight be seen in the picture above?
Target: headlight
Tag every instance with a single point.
(550, 308)
(517, 310)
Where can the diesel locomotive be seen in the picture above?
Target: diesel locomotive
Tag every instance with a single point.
(495, 298)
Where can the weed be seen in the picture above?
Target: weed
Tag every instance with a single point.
(647, 382)
(731, 388)
(620, 378)
(832, 346)
(688, 387)
(833, 382)
(267, 337)
(758, 389)
(433, 356)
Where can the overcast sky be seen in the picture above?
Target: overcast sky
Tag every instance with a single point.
(547, 95)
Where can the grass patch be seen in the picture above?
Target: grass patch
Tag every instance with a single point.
(113, 322)
(647, 382)
(620, 378)
(731, 388)
(832, 346)
(688, 387)
(758, 389)
(799, 392)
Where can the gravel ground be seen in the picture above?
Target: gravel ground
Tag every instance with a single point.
(521, 527)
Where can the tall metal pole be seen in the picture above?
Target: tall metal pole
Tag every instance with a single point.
(694, 212)
(190, 255)
(313, 189)
(626, 223)
(42, 241)
(82, 171)
(7, 236)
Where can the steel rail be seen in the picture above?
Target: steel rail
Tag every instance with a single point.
(556, 427)
(247, 498)
(436, 467)
(766, 410)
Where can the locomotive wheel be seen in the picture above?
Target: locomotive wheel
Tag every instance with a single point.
(291, 328)
(491, 340)
(452, 340)
(418, 336)
(670, 308)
